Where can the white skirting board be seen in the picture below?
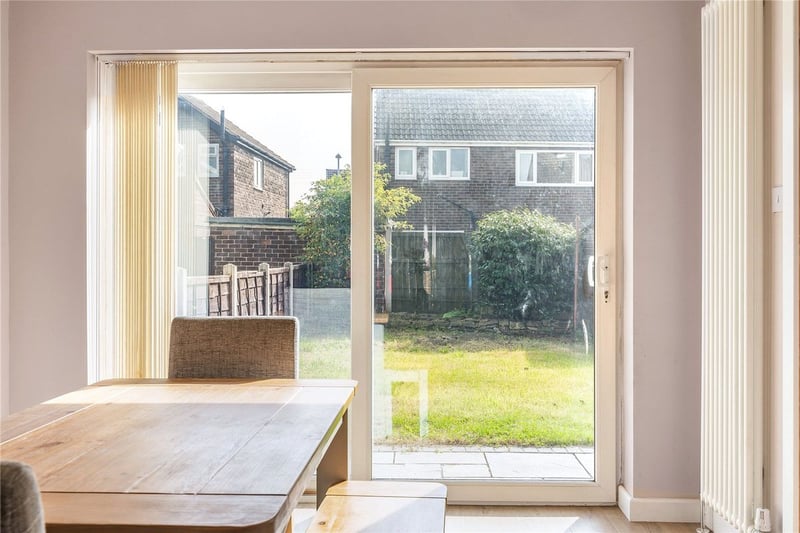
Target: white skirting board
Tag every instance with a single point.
(685, 510)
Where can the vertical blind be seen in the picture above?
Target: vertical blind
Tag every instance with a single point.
(131, 221)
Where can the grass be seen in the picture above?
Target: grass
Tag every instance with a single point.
(327, 358)
(483, 388)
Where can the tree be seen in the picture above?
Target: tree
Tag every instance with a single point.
(525, 263)
(323, 222)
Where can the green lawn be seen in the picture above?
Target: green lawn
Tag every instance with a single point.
(325, 358)
(483, 388)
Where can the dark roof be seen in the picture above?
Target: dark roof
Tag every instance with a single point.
(485, 115)
(232, 129)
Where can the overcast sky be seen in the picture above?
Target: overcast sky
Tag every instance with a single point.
(308, 130)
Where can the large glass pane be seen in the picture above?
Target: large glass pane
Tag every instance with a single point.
(555, 167)
(263, 215)
(586, 168)
(405, 163)
(525, 167)
(459, 163)
(439, 162)
(484, 358)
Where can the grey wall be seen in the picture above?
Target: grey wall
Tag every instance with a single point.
(49, 45)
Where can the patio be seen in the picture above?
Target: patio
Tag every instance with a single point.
(482, 462)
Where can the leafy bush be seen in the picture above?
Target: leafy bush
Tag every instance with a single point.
(323, 223)
(456, 313)
(525, 263)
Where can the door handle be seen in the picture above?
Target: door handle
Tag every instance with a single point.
(601, 269)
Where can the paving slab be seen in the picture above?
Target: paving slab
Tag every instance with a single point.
(587, 460)
(450, 458)
(466, 471)
(408, 471)
(383, 457)
(460, 462)
(536, 466)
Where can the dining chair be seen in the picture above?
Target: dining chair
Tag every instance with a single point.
(234, 347)
(20, 501)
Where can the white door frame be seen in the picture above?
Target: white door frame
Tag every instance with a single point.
(330, 72)
(603, 77)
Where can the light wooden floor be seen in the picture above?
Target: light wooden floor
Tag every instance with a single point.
(495, 519)
(463, 519)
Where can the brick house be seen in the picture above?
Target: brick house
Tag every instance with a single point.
(238, 174)
(239, 192)
(474, 151)
(469, 152)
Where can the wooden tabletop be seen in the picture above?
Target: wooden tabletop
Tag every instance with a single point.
(163, 455)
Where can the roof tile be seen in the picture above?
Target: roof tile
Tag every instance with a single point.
(231, 128)
(485, 115)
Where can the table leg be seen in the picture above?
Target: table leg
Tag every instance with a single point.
(334, 466)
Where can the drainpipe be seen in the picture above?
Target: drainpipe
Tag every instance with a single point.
(227, 189)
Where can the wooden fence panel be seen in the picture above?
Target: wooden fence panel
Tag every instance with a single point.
(432, 276)
(208, 296)
(260, 293)
(450, 277)
(280, 285)
(251, 293)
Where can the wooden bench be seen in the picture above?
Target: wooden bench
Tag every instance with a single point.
(382, 507)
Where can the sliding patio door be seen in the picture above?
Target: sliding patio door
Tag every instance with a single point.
(484, 294)
(475, 295)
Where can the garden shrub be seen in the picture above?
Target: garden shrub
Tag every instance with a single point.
(525, 263)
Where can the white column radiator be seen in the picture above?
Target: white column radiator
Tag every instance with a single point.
(732, 351)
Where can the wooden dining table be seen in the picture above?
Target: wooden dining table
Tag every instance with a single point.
(182, 455)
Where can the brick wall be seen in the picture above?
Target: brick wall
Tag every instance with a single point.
(272, 201)
(248, 242)
(491, 187)
(458, 204)
(194, 129)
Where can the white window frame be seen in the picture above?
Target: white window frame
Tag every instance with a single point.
(602, 77)
(258, 174)
(448, 150)
(203, 154)
(413, 175)
(576, 172)
(578, 155)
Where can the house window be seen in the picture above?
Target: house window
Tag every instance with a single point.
(258, 174)
(405, 164)
(208, 160)
(549, 167)
(449, 163)
(586, 167)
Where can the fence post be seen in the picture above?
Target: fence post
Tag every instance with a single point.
(576, 277)
(290, 266)
(264, 267)
(231, 271)
(180, 291)
(387, 272)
